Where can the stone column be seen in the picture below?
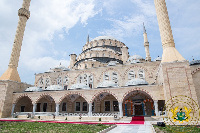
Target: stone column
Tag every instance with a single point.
(146, 45)
(57, 109)
(13, 108)
(120, 110)
(12, 73)
(156, 107)
(90, 110)
(170, 53)
(34, 108)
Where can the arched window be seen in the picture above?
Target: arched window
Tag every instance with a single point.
(103, 55)
(114, 77)
(141, 74)
(131, 75)
(106, 76)
(41, 81)
(59, 81)
(97, 54)
(110, 43)
(97, 43)
(47, 82)
(85, 65)
(65, 80)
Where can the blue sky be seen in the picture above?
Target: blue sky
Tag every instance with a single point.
(59, 28)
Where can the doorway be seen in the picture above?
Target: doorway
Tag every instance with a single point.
(138, 110)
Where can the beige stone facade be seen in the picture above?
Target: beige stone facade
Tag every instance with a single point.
(104, 80)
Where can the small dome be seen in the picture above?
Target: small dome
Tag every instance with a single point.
(135, 57)
(79, 86)
(104, 37)
(136, 81)
(106, 84)
(158, 59)
(60, 67)
(49, 71)
(33, 89)
(195, 62)
(54, 88)
(113, 63)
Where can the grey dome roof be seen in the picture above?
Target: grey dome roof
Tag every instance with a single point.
(104, 37)
(33, 89)
(136, 81)
(106, 84)
(194, 62)
(79, 86)
(54, 88)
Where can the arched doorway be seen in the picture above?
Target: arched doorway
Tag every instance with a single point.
(23, 104)
(138, 103)
(45, 104)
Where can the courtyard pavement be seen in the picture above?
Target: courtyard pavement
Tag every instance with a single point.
(146, 128)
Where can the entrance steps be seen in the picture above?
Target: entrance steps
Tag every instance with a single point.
(125, 118)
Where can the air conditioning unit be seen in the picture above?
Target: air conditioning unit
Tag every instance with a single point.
(116, 117)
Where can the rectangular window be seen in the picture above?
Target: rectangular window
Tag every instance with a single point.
(84, 106)
(64, 107)
(22, 108)
(92, 106)
(90, 85)
(38, 107)
(65, 87)
(45, 107)
(115, 106)
(107, 105)
(78, 106)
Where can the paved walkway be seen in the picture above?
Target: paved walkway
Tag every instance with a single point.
(146, 128)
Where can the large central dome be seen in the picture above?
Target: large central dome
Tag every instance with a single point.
(99, 52)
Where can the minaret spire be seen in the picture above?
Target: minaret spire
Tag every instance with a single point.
(12, 73)
(146, 45)
(170, 53)
(88, 39)
(144, 28)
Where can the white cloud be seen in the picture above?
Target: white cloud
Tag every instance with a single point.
(132, 24)
(44, 63)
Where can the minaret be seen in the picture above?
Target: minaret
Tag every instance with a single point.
(170, 53)
(146, 45)
(12, 73)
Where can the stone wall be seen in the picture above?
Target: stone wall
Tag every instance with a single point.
(6, 96)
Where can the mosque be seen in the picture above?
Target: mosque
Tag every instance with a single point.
(103, 81)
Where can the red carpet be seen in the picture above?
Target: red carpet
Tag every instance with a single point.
(137, 120)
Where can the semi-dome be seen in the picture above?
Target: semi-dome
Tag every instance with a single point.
(79, 86)
(136, 81)
(104, 37)
(106, 84)
(54, 88)
(33, 89)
